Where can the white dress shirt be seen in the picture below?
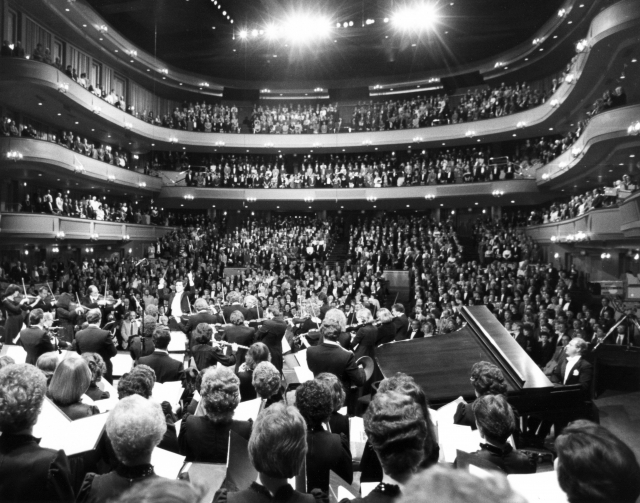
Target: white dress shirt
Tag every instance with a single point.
(176, 305)
(571, 362)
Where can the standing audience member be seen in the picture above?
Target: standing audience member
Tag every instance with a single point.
(95, 340)
(28, 472)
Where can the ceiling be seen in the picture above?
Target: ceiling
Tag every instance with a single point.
(195, 36)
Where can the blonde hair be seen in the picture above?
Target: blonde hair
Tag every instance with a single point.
(70, 381)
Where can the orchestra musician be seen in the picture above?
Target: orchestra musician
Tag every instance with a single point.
(36, 339)
(271, 333)
(203, 315)
(240, 334)
(14, 309)
(234, 304)
(95, 301)
(45, 300)
(68, 313)
(400, 321)
(387, 329)
(95, 340)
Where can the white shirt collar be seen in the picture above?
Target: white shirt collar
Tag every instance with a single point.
(334, 343)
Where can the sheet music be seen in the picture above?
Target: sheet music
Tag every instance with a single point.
(168, 392)
(74, 437)
(367, 487)
(166, 464)
(247, 410)
(343, 493)
(18, 353)
(122, 364)
(301, 356)
(357, 437)
(285, 346)
(445, 413)
(540, 487)
(178, 342)
(453, 437)
(303, 374)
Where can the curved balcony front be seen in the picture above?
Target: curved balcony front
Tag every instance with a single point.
(23, 83)
(602, 226)
(28, 226)
(469, 195)
(51, 163)
(604, 143)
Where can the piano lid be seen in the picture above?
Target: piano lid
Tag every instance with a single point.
(442, 364)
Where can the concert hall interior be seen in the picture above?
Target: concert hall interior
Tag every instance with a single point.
(381, 251)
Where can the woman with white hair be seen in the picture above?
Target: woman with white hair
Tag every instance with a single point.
(135, 427)
(28, 472)
(267, 382)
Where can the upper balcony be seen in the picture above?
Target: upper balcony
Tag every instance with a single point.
(613, 32)
(57, 166)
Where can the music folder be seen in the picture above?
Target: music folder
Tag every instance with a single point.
(340, 489)
(240, 471)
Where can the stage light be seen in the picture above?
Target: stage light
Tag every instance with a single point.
(419, 17)
(305, 27)
(254, 33)
(242, 34)
(271, 32)
(350, 23)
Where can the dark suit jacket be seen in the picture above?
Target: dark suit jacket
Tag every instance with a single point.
(36, 342)
(417, 335)
(228, 310)
(95, 340)
(327, 452)
(256, 493)
(336, 360)
(402, 326)
(386, 333)
(271, 333)
(202, 441)
(240, 335)
(581, 373)
(101, 488)
(166, 368)
(365, 340)
(507, 459)
(193, 322)
(29, 472)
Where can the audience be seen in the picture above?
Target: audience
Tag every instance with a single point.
(70, 381)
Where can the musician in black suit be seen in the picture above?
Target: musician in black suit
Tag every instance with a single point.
(271, 333)
(28, 472)
(239, 334)
(36, 340)
(203, 315)
(333, 358)
(400, 321)
(43, 302)
(575, 369)
(166, 368)
(93, 301)
(415, 332)
(233, 298)
(387, 328)
(95, 340)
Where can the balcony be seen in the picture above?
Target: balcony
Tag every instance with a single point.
(468, 195)
(48, 162)
(612, 32)
(26, 226)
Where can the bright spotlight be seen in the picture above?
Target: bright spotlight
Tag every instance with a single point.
(337, 25)
(345, 24)
(350, 23)
(271, 32)
(305, 27)
(254, 33)
(243, 34)
(420, 17)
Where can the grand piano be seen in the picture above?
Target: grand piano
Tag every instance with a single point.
(442, 366)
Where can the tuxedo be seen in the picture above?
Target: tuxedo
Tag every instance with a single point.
(166, 368)
(581, 373)
(333, 358)
(414, 334)
(402, 326)
(185, 302)
(36, 342)
(95, 340)
(271, 333)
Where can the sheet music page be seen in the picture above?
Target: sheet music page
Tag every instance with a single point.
(166, 464)
(445, 413)
(357, 437)
(122, 364)
(77, 436)
(303, 374)
(540, 487)
(247, 410)
(453, 437)
(51, 419)
(168, 392)
(18, 353)
(301, 356)
(343, 493)
(367, 487)
(285, 346)
(178, 342)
